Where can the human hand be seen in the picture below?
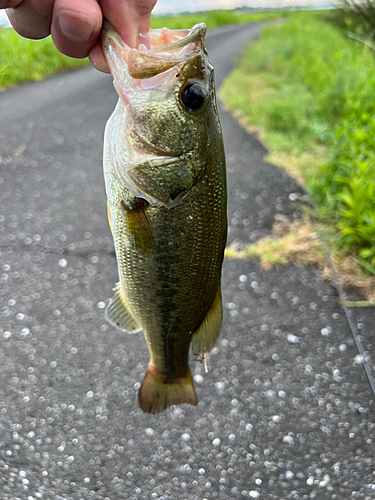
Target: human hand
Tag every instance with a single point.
(75, 25)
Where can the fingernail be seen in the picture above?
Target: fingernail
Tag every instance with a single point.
(99, 66)
(74, 26)
(97, 59)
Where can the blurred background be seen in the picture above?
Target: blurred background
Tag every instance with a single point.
(286, 410)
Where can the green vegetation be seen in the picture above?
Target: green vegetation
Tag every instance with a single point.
(24, 60)
(346, 184)
(311, 91)
(353, 16)
(215, 19)
(296, 240)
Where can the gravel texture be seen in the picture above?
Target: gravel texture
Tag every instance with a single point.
(285, 411)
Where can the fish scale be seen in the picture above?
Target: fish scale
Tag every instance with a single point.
(168, 214)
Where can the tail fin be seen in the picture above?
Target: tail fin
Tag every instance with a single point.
(157, 392)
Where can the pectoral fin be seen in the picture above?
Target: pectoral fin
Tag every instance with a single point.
(119, 314)
(206, 335)
(138, 225)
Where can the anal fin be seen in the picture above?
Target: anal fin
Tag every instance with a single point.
(119, 314)
(205, 336)
(157, 391)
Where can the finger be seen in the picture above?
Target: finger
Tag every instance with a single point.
(31, 18)
(128, 17)
(7, 4)
(76, 26)
(97, 58)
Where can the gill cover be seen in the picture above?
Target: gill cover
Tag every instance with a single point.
(150, 138)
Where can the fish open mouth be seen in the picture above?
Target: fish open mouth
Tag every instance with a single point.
(138, 141)
(168, 48)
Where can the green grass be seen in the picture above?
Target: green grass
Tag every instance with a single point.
(311, 91)
(295, 81)
(24, 60)
(215, 19)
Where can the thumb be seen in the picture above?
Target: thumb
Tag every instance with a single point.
(130, 18)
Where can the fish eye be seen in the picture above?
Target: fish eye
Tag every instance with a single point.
(193, 96)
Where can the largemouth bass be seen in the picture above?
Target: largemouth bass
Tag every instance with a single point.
(164, 170)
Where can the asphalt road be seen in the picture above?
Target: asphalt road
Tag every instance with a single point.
(285, 411)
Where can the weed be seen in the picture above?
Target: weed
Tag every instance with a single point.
(23, 60)
(296, 241)
(311, 91)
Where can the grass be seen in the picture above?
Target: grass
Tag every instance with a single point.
(310, 92)
(216, 19)
(23, 60)
(297, 241)
(294, 82)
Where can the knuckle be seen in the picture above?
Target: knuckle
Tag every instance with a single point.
(142, 7)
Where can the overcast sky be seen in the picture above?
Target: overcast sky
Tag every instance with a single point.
(170, 6)
(3, 18)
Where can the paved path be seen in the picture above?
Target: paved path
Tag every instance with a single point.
(284, 412)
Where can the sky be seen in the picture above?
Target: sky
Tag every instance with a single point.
(174, 6)
(3, 18)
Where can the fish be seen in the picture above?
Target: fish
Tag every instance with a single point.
(165, 180)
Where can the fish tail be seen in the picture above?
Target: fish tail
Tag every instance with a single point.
(157, 391)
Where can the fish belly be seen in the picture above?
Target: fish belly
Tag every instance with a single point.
(169, 263)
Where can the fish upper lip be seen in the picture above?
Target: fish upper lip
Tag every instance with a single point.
(143, 64)
(194, 34)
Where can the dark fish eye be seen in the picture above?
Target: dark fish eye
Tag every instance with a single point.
(193, 96)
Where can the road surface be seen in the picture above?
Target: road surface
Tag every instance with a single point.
(285, 411)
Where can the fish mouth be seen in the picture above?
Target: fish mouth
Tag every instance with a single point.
(149, 75)
(168, 48)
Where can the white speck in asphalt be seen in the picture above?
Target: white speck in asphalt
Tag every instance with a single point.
(288, 439)
(292, 338)
(326, 331)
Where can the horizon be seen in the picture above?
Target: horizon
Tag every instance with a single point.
(164, 7)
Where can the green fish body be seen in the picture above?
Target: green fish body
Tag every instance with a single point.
(164, 170)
